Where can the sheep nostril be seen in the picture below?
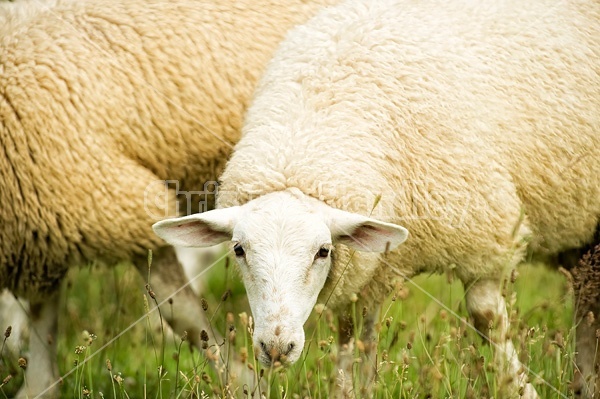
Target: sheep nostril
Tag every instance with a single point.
(290, 347)
(266, 350)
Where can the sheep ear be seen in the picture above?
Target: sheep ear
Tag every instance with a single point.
(363, 233)
(198, 230)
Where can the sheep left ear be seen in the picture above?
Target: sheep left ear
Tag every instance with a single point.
(363, 233)
(198, 230)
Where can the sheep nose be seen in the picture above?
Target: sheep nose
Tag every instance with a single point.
(277, 351)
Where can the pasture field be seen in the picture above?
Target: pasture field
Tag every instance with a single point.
(426, 349)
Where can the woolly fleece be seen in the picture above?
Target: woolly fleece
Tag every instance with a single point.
(99, 102)
(478, 124)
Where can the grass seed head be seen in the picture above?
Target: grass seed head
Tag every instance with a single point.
(204, 336)
(150, 292)
(243, 319)
(513, 275)
(319, 308)
(559, 340)
(443, 315)
(22, 363)
(7, 331)
(146, 305)
(589, 318)
(225, 295)
(243, 354)
(360, 345)
(88, 337)
(204, 304)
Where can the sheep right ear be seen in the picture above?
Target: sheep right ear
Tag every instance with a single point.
(363, 233)
(199, 230)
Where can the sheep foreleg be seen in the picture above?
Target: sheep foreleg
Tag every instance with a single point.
(488, 310)
(41, 373)
(184, 313)
(366, 345)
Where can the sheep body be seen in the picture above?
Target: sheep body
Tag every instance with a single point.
(460, 115)
(99, 101)
(474, 125)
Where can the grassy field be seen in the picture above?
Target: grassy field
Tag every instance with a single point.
(426, 350)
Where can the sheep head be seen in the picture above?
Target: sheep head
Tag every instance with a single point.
(282, 243)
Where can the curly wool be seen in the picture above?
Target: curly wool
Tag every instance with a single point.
(475, 124)
(16, 13)
(100, 101)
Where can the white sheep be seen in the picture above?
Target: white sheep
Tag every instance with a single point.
(473, 125)
(102, 103)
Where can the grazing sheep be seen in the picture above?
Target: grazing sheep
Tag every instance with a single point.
(473, 125)
(102, 103)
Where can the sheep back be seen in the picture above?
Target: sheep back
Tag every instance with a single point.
(477, 124)
(100, 100)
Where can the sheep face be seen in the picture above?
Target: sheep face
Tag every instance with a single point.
(282, 243)
(283, 251)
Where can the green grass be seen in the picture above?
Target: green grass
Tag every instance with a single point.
(426, 349)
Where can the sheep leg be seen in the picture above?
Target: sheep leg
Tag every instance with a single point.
(586, 279)
(488, 310)
(345, 358)
(168, 280)
(368, 342)
(586, 384)
(369, 339)
(14, 312)
(42, 375)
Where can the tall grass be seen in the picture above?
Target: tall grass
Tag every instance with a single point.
(425, 348)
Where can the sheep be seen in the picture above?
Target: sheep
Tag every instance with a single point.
(102, 104)
(470, 125)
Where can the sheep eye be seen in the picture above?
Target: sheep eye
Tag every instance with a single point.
(323, 253)
(239, 251)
